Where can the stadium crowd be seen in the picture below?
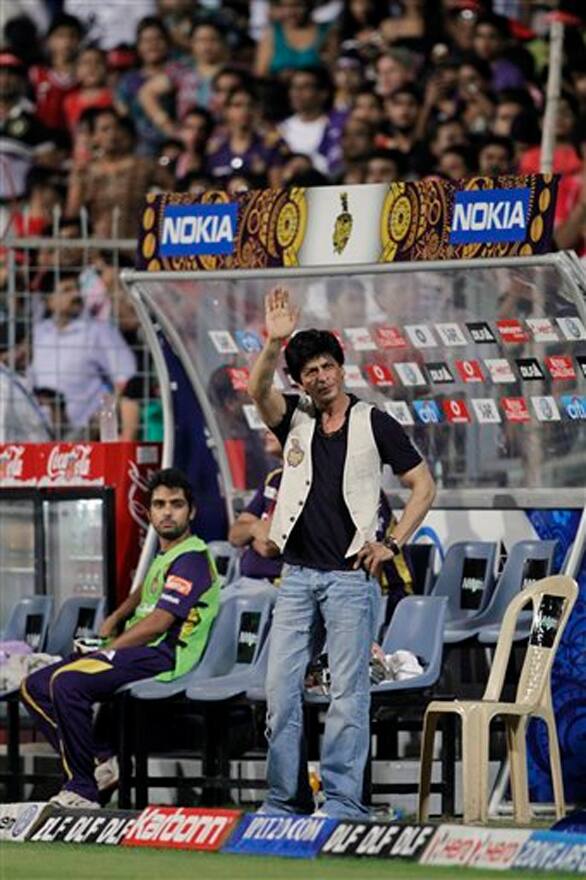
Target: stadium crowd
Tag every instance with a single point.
(102, 103)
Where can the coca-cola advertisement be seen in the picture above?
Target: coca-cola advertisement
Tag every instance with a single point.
(72, 464)
(18, 465)
(54, 469)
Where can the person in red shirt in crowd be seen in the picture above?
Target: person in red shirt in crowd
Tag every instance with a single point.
(92, 72)
(566, 159)
(54, 81)
(45, 190)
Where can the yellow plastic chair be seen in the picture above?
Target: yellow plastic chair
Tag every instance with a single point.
(552, 599)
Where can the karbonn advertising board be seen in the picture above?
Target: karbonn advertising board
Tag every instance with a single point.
(340, 225)
(378, 839)
(299, 837)
(106, 827)
(182, 828)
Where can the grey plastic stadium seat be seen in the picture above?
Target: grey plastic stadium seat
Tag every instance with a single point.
(527, 562)
(29, 621)
(466, 579)
(79, 616)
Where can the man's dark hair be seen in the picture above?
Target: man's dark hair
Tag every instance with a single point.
(171, 478)
(321, 78)
(203, 114)
(498, 22)
(481, 67)
(309, 344)
(153, 21)
(64, 20)
(498, 141)
(50, 279)
(526, 128)
(91, 115)
(515, 96)
(400, 159)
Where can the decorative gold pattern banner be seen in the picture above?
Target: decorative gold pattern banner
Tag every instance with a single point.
(416, 223)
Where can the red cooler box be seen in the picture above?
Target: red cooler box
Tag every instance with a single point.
(74, 516)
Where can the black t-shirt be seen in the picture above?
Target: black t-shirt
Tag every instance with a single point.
(324, 531)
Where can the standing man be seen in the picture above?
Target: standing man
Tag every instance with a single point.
(170, 620)
(76, 355)
(324, 523)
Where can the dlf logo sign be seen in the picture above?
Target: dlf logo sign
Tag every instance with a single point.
(192, 230)
(490, 215)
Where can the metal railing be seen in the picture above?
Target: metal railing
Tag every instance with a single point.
(31, 267)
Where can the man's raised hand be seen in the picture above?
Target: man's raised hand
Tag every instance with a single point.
(280, 314)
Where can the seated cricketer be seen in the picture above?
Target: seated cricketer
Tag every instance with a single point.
(170, 620)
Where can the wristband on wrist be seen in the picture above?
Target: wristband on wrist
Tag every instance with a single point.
(392, 545)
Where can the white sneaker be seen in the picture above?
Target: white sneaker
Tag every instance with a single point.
(69, 800)
(107, 774)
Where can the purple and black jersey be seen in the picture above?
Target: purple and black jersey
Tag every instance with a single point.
(264, 152)
(252, 564)
(188, 578)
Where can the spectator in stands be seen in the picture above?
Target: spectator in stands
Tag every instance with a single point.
(566, 159)
(141, 411)
(460, 22)
(456, 163)
(119, 62)
(189, 82)
(313, 528)
(356, 143)
(152, 44)
(496, 156)
(368, 107)
(55, 254)
(117, 179)
(491, 34)
(93, 91)
(78, 356)
(54, 408)
(510, 103)
(360, 26)
(394, 69)
(167, 624)
(177, 16)
(223, 83)
(296, 164)
(250, 529)
(24, 140)
(292, 40)
(348, 80)
(402, 110)
(407, 22)
(54, 81)
(310, 94)
(386, 166)
(446, 134)
(477, 104)
(242, 145)
(45, 193)
(196, 129)
(243, 447)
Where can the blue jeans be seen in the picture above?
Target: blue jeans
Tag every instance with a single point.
(347, 602)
